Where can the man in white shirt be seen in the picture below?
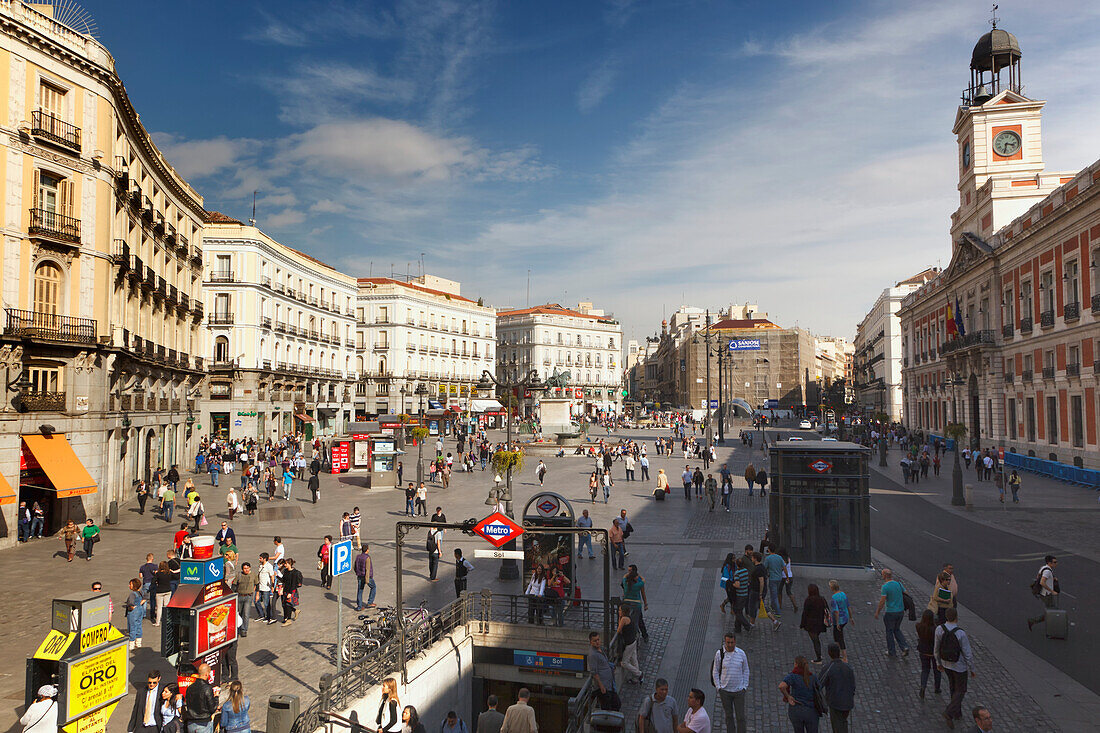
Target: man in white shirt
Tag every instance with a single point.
(696, 719)
(730, 675)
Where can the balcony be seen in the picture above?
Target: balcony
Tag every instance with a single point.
(53, 226)
(280, 327)
(149, 280)
(221, 276)
(196, 258)
(1095, 365)
(381, 347)
(120, 253)
(1046, 318)
(147, 209)
(1009, 377)
(51, 327)
(1048, 372)
(55, 130)
(1071, 312)
(970, 340)
(1096, 304)
(1007, 331)
(42, 401)
(1026, 375)
(219, 363)
(265, 281)
(185, 301)
(1073, 370)
(173, 295)
(266, 323)
(221, 319)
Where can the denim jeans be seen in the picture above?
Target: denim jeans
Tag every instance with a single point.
(365, 582)
(36, 527)
(774, 592)
(214, 479)
(617, 558)
(892, 621)
(242, 607)
(645, 473)
(263, 605)
(586, 541)
(24, 530)
(168, 507)
(134, 621)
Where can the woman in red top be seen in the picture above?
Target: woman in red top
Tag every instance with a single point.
(322, 562)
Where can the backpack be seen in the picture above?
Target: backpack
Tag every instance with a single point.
(721, 661)
(950, 648)
(432, 546)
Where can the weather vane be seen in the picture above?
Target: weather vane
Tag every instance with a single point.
(993, 20)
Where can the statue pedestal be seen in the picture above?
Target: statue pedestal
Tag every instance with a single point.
(554, 415)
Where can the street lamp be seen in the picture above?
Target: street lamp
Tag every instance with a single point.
(509, 570)
(957, 431)
(420, 390)
(707, 337)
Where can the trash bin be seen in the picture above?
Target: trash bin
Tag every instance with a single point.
(282, 711)
(602, 721)
(112, 513)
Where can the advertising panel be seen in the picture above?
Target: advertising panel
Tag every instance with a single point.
(215, 625)
(549, 661)
(744, 344)
(362, 453)
(95, 681)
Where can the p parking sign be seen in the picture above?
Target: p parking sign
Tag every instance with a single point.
(339, 558)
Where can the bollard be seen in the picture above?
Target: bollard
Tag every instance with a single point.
(112, 513)
(282, 711)
(968, 492)
(604, 721)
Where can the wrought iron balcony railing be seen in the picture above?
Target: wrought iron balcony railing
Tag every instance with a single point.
(52, 128)
(51, 225)
(49, 326)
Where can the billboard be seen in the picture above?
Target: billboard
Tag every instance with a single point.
(744, 345)
(215, 625)
(95, 680)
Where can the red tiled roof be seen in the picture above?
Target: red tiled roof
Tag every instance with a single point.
(217, 217)
(412, 286)
(550, 309)
(750, 323)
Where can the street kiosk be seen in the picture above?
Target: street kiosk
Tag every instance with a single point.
(820, 502)
(86, 658)
(200, 620)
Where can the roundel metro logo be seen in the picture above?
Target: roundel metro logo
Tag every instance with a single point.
(497, 529)
(821, 466)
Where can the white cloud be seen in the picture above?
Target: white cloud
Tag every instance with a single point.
(597, 85)
(200, 158)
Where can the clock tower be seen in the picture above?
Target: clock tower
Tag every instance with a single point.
(999, 136)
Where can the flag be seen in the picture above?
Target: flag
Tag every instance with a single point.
(950, 322)
(959, 318)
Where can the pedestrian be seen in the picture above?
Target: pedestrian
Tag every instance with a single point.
(799, 689)
(364, 575)
(838, 682)
(519, 718)
(696, 719)
(540, 472)
(775, 569)
(628, 635)
(729, 673)
(226, 537)
(69, 534)
(142, 491)
(815, 618)
(324, 553)
(168, 501)
(1045, 587)
(135, 613)
(265, 587)
(422, 499)
(658, 710)
(608, 482)
(711, 487)
(347, 532)
(292, 581)
(389, 719)
(434, 546)
(841, 614)
(199, 703)
(462, 569)
(90, 535)
(615, 537)
(603, 674)
(697, 479)
(490, 720)
(787, 586)
(245, 586)
(197, 513)
(162, 592)
(234, 711)
(762, 481)
(585, 522)
(146, 716)
(643, 463)
(942, 598)
(687, 476)
(926, 643)
(955, 658)
(410, 499)
(983, 720)
(288, 482)
(536, 596)
(892, 601)
(1014, 485)
(215, 468)
(453, 724)
(41, 715)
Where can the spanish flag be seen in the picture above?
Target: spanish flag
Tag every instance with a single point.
(950, 322)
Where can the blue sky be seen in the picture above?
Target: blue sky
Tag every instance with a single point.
(639, 154)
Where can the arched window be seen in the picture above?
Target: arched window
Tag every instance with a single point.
(221, 349)
(381, 366)
(47, 288)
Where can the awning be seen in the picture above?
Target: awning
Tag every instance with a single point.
(59, 462)
(7, 496)
(485, 406)
(304, 417)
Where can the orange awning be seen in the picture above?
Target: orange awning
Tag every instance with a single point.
(7, 496)
(304, 417)
(62, 467)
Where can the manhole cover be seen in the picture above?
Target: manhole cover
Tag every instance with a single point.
(280, 513)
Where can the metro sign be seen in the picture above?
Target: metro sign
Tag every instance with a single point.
(821, 466)
(497, 529)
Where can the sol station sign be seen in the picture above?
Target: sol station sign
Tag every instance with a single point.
(497, 529)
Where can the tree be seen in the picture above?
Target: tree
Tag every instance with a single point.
(956, 431)
(504, 459)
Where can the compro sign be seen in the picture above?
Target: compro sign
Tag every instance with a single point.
(94, 681)
(497, 529)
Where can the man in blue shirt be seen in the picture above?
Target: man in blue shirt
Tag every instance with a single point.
(893, 602)
(775, 568)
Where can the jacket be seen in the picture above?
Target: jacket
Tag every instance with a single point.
(246, 584)
(137, 715)
(490, 721)
(198, 702)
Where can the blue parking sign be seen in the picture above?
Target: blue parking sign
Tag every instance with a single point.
(339, 558)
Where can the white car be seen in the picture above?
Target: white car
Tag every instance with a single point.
(805, 425)
(830, 439)
(794, 438)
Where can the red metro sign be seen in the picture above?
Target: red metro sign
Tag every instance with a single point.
(497, 529)
(821, 466)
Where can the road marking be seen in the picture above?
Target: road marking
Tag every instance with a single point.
(873, 509)
(1068, 595)
(936, 536)
(895, 492)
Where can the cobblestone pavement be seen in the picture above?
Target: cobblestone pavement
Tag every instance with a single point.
(678, 546)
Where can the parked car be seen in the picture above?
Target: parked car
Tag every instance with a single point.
(805, 425)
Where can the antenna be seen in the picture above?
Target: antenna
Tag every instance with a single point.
(993, 20)
(71, 15)
(528, 287)
(252, 221)
(421, 264)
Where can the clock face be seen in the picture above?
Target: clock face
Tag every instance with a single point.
(966, 154)
(1006, 144)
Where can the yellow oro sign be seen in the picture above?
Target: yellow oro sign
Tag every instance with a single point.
(96, 636)
(95, 681)
(94, 722)
(54, 646)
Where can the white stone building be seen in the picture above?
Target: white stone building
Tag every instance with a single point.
(420, 332)
(877, 362)
(584, 342)
(281, 337)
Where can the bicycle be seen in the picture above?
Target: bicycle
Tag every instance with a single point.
(376, 629)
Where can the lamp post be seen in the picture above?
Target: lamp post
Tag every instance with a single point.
(707, 337)
(420, 390)
(956, 431)
(509, 570)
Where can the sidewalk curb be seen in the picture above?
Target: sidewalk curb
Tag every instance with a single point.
(1070, 704)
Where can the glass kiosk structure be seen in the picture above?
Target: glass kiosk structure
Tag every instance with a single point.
(820, 503)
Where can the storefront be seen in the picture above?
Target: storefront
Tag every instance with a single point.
(219, 425)
(304, 423)
(51, 474)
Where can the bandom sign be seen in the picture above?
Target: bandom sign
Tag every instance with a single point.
(744, 344)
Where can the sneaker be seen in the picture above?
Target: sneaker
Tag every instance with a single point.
(776, 624)
(891, 654)
(288, 622)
